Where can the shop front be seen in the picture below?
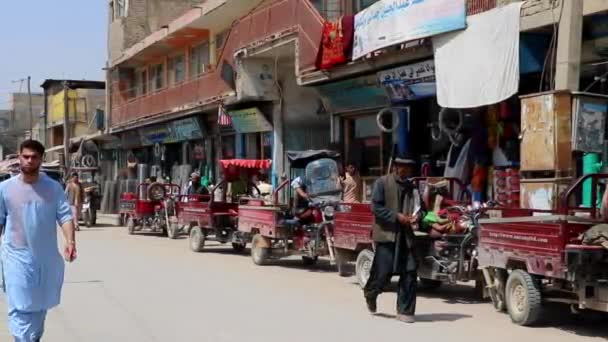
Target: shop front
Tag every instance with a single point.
(252, 137)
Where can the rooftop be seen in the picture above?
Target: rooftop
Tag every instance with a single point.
(74, 84)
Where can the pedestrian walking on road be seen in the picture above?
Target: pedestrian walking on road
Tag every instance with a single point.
(395, 201)
(74, 192)
(31, 205)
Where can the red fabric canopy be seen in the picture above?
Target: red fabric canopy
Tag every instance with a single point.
(246, 163)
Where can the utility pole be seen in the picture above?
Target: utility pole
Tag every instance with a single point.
(66, 127)
(569, 46)
(29, 95)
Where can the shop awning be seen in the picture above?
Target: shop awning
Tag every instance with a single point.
(247, 163)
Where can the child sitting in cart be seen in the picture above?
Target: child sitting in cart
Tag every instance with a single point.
(439, 221)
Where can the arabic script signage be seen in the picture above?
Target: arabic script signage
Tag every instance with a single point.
(250, 120)
(390, 22)
(178, 130)
(409, 82)
(352, 94)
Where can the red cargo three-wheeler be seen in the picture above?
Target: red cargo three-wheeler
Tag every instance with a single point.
(275, 229)
(447, 258)
(150, 208)
(532, 257)
(205, 219)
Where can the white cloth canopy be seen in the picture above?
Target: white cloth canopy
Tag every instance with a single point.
(480, 65)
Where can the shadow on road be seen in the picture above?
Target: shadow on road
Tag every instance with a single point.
(453, 294)
(322, 266)
(427, 318)
(587, 324)
(450, 294)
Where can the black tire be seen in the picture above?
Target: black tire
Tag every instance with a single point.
(173, 231)
(260, 255)
(131, 225)
(238, 247)
(341, 263)
(310, 261)
(429, 284)
(86, 217)
(197, 240)
(363, 266)
(524, 298)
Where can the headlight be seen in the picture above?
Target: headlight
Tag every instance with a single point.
(329, 211)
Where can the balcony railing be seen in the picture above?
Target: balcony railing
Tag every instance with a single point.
(190, 93)
(297, 16)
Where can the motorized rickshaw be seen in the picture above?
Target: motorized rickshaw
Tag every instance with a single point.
(444, 257)
(275, 229)
(205, 218)
(532, 257)
(150, 208)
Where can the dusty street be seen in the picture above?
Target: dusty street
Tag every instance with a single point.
(148, 288)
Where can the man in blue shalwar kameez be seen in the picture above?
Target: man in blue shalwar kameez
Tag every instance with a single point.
(31, 205)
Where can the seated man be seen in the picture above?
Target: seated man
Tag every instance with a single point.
(196, 188)
(302, 208)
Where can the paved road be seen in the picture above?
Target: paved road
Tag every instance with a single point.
(148, 288)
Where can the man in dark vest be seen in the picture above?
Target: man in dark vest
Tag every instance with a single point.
(396, 205)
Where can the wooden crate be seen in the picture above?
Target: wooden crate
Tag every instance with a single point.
(546, 129)
(542, 193)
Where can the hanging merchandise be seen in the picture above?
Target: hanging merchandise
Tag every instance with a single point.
(459, 169)
(492, 124)
(395, 118)
(450, 129)
(336, 42)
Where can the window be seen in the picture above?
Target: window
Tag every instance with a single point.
(177, 69)
(157, 77)
(199, 59)
(141, 83)
(360, 5)
(329, 9)
(121, 8)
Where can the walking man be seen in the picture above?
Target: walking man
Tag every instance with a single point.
(31, 205)
(394, 204)
(74, 192)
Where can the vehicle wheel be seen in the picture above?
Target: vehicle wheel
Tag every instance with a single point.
(363, 266)
(238, 247)
(429, 284)
(310, 261)
(197, 239)
(87, 219)
(259, 254)
(524, 300)
(341, 263)
(173, 230)
(131, 225)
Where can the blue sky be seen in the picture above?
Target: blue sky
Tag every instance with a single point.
(51, 39)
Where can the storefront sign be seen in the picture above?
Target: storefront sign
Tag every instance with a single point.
(409, 82)
(157, 134)
(354, 94)
(187, 129)
(390, 22)
(250, 120)
(172, 132)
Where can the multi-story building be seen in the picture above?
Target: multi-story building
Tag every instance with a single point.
(84, 102)
(174, 72)
(18, 122)
(171, 90)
